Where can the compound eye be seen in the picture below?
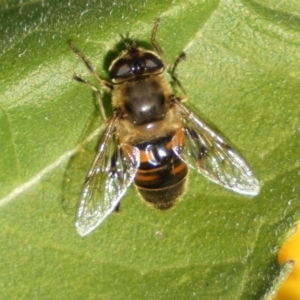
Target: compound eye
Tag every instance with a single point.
(152, 62)
(121, 69)
(126, 68)
(138, 66)
(139, 63)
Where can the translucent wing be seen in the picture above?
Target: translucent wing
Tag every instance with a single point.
(211, 156)
(112, 171)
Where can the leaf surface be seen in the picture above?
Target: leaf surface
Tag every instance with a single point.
(242, 77)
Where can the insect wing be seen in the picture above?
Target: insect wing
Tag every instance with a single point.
(112, 171)
(211, 156)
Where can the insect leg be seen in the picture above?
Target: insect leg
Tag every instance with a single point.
(97, 91)
(156, 45)
(180, 58)
(103, 82)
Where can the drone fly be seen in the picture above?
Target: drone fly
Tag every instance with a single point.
(151, 140)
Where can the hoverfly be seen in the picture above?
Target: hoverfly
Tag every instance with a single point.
(151, 140)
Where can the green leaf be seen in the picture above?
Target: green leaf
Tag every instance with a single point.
(242, 77)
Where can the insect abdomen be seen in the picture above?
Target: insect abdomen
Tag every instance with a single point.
(161, 176)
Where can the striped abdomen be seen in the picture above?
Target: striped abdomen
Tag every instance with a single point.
(161, 176)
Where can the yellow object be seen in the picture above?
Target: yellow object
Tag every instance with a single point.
(290, 290)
